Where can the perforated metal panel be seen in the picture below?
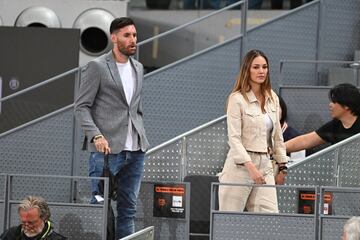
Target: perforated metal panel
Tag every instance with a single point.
(190, 93)
(73, 221)
(52, 189)
(2, 201)
(332, 228)
(340, 32)
(228, 226)
(345, 201)
(346, 204)
(322, 168)
(349, 156)
(164, 164)
(41, 148)
(165, 228)
(308, 107)
(82, 156)
(319, 170)
(207, 150)
(288, 200)
(2, 214)
(303, 74)
(317, 73)
(290, 37)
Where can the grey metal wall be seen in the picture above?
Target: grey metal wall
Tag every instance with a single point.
(340, 32)
(190, 93)
(293, 36)
(2, 201)
(308, 107)
(41, 148)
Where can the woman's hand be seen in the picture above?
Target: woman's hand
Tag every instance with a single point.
(254, 173)
(280, 178)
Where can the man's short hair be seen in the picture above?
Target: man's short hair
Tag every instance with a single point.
(119, 23)
(347, 95)
(352, 228)
(36, 202)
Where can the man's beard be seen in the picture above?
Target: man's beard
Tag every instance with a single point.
(127, 52)
(33, 232)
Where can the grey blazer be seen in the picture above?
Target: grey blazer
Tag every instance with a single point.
(101, 106)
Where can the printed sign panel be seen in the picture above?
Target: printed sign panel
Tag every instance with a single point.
(169, 200)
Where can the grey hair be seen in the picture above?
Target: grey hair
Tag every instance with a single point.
(352, 228)
(36, 202)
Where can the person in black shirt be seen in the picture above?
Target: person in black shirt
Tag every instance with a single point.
(344, 109)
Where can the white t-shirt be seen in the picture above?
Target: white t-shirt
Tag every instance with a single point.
(128, 81)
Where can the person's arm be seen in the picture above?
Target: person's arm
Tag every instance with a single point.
(89, 86)
(302, 142)
(239, 153)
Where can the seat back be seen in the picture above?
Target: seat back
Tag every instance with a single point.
(200, 198)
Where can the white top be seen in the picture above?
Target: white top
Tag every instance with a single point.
(128, 81)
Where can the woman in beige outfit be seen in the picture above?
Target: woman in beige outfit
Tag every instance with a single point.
(255, 137)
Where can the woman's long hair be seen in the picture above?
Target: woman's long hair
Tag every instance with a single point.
(242, 83)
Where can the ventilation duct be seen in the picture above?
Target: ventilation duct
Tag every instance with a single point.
(94, 27)
(38, 17)
(91, 17)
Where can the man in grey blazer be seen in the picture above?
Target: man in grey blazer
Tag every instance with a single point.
(109, 109)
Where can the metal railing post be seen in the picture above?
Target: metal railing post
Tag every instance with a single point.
(244, 9)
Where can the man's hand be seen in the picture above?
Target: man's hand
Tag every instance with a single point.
(102, 145)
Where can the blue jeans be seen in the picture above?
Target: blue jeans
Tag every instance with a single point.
(128, 168)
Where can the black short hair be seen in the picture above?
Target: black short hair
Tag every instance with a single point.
(119, 23)
(347, 95)
(283, 110)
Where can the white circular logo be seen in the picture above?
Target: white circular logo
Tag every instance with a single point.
(14, 84)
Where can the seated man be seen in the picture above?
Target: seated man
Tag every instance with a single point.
(34, 216)
(344, 109)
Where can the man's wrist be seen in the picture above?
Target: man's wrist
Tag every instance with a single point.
(97, 137)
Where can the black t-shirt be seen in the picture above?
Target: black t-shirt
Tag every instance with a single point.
(334, 131)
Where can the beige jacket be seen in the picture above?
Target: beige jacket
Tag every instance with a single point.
(247, 131)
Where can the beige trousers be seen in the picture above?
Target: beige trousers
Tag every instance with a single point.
(254, 199)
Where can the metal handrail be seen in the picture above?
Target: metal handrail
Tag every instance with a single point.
(36, 120)
(314, 61)
(243, 25)
(184, 135)
(190, 23)
(326, 150)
